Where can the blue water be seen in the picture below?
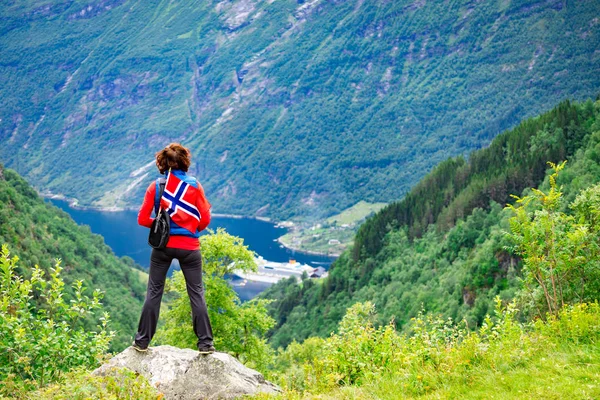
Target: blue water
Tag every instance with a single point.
(126, 238)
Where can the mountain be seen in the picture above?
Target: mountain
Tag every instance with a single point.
(290, 107)
(442, 249)
(39, 233)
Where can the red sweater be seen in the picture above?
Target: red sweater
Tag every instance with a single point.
(177, 242)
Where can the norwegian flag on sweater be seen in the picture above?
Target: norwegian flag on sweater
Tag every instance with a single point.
(179, 199)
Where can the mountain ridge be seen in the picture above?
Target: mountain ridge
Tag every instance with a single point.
(443, 248)
(289, 108)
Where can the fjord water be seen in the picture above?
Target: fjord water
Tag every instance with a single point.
(126, 238)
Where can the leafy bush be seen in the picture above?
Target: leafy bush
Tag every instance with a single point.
(438, 356)
(238, 327)
(560, 252)
(41, 334)
(80, 385)
(578, 324)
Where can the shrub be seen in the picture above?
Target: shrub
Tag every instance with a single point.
(39, 343)
(80, 385)
(238, 327)
(437, 355)
(577, 324)
(560, 252)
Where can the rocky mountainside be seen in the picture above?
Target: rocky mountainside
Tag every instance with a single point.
(291, 106)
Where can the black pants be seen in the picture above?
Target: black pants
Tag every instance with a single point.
(191, 266)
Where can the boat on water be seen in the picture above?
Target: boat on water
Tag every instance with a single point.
(272, 272)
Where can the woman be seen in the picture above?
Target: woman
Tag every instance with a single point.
(183, 245)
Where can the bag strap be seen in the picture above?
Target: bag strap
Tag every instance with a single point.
(160, 188)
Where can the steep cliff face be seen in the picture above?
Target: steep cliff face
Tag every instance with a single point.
(290, 107)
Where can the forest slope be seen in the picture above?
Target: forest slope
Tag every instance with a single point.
(442, 248)
(290, 107)
(38, 233)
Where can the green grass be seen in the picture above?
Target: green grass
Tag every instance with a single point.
(306, 239)
(185, 35)
(572, 372)
(356, 213)
(438, 359)
(340, 228)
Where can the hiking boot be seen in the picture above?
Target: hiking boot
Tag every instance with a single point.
(206, 349)
(139, 348)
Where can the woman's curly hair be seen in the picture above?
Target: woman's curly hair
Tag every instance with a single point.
(173, 156)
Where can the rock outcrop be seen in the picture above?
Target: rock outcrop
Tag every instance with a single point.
(184, 374)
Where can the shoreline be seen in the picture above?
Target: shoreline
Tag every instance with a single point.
(309, 252)
(74, 203)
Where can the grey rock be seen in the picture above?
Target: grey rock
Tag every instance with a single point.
(184, 374)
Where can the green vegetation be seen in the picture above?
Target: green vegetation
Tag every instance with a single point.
(332, 236)
(39, 233)
(443, 248)
(80, 385)
(502, 303)
(319, 238)
(46, 338)
(438, 358)
(515, 160)
(504, 359)
(356, 213)
(238, 328)
(42, 336)
(143, 276)
(291, 108)
(559, 252)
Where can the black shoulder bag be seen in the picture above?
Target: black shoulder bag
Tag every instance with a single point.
(160, 229)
